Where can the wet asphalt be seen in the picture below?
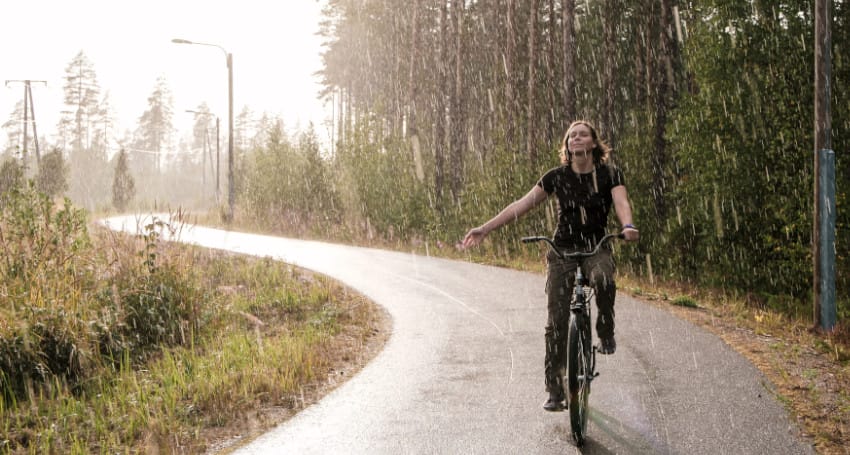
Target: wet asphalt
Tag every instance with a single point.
(462, 372)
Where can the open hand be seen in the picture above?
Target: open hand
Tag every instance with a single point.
(473, 238)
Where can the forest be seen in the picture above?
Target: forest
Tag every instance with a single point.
(446, 111)
(443, 112)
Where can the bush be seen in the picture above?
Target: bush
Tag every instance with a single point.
(64, 303)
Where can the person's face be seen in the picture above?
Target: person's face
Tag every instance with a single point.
(580, 141)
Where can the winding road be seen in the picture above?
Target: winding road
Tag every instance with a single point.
(462, 372)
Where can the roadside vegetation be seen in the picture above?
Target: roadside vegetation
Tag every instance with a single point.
(112, 343)
(442, 117)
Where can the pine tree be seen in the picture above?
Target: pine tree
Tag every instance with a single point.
(11, 175)
(82, 98)
(14, 130)
(123, 185)
(155, 133)
(52, 178)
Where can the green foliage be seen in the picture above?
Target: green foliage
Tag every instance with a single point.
(42, 266)
(64, 303)
(38, 238)
(52, 178)
(159, 309)
(157, 304)
(740, 145)
(685, 301)
(384, 196)
(11, 175)
(734, 130)
(290, 187)
(123, 184)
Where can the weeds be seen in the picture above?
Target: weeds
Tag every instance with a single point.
(685, 301)
(111, 343)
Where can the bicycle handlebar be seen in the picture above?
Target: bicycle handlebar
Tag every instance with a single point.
(579, 254)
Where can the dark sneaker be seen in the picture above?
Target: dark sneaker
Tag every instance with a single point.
(555, 403)
(607, 346)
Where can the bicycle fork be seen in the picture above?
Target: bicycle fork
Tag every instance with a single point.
(581, 311)
(584, 319)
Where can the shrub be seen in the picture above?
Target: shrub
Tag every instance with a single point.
(64, 303)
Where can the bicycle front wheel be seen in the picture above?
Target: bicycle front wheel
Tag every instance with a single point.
(579, 375)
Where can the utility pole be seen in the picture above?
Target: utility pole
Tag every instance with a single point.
(823, 233)
(29, 108)
(204, 152)
(231, 189)
(231, 195)
(217, 160)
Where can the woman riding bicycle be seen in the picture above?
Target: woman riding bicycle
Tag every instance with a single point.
(586, 187)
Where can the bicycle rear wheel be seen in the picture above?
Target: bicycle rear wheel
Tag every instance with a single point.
(579, 375)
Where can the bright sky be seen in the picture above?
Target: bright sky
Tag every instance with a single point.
(273, 42)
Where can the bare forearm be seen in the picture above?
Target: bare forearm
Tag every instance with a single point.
(624, 213)
(510, 213)
(621, 205)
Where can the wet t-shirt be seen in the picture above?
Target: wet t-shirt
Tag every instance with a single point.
(584, 201)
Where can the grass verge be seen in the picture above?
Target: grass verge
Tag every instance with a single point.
(258, 340)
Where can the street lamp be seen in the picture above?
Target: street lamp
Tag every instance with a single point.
(231, 194)
(217, 152)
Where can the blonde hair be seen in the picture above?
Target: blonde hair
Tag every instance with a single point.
(600, 152)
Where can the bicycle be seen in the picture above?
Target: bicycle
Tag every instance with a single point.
(581, 354)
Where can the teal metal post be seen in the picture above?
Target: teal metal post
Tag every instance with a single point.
(826, 222)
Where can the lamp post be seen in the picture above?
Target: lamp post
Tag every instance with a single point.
(217, 152)
(231, 193)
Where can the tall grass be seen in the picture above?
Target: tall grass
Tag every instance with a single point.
(113, 344)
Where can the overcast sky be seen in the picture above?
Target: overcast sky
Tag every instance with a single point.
(274, 46)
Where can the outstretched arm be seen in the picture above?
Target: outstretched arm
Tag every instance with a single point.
(624, 212)
(510, 213)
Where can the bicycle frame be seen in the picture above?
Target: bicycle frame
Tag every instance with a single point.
(581, 355)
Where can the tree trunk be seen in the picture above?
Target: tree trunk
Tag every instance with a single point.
(663, 75)
(440, 107)
(569, 51)
(640, 77)
(530, 134)
(551, 89)
(411, 96)
(609, 28)
(458, 122)
(411, 73)
(509, 63)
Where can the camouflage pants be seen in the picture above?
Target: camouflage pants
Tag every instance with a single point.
(600, 271)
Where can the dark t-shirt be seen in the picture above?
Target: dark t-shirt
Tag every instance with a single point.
(584, 201)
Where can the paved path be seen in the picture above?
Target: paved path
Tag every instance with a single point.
(462, 372)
